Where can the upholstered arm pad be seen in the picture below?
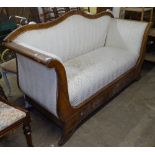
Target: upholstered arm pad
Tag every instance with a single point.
(37, 55)
(37, 74)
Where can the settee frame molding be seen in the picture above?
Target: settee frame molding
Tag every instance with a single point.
(60, 19)
(70, 117)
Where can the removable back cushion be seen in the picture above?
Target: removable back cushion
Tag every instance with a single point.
(126, 34)
(74, 36)
(89, 73)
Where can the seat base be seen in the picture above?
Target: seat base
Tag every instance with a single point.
(89, 73)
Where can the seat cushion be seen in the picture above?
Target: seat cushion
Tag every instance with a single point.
(9, 115)
(88, 73)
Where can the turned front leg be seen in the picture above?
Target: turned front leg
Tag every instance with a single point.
(27, 133)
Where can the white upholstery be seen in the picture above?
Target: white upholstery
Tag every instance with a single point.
(74, 36)
(126, 34)
(94, 52)
(90, 72)
(38, 82)
(39, 51)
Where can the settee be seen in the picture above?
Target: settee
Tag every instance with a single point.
(72, 66)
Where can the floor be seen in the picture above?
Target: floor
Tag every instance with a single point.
(128, 120)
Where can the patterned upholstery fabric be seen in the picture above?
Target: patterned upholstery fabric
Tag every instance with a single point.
(93, 52)
(89, 73)
(125, 34)
(73, 37)
(9, 115)
(39, 82)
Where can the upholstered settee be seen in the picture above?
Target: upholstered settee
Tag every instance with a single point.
(72, 66)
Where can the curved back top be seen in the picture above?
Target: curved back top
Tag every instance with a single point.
(69, 36)
(126, 34)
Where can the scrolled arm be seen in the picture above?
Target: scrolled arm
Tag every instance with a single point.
(64, 108)
(34, 55)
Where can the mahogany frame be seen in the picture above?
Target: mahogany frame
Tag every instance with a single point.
(70, 117)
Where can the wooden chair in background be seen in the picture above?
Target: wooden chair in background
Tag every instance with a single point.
(12, 117)
(139, 13)
(101, 9)
(51, 13)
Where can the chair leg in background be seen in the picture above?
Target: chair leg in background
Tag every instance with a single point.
(27, 104)
(4, 74)
(27, 133)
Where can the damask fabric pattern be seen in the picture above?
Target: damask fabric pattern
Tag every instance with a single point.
(9, 115)
(89, 73)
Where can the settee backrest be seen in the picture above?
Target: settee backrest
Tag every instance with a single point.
(72, 37)
(126, 34)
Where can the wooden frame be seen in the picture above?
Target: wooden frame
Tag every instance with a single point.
(141, 10)
(25, 122)
(2, 94)
(70, 117)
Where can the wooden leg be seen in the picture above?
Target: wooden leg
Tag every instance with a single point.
(138, 77)
(27, 133)
(151, 15)
(142, 15)
(27, 102)
(67, 132)
(2, 93)
(7, 82)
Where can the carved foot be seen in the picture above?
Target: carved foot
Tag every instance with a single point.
(67, 132)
